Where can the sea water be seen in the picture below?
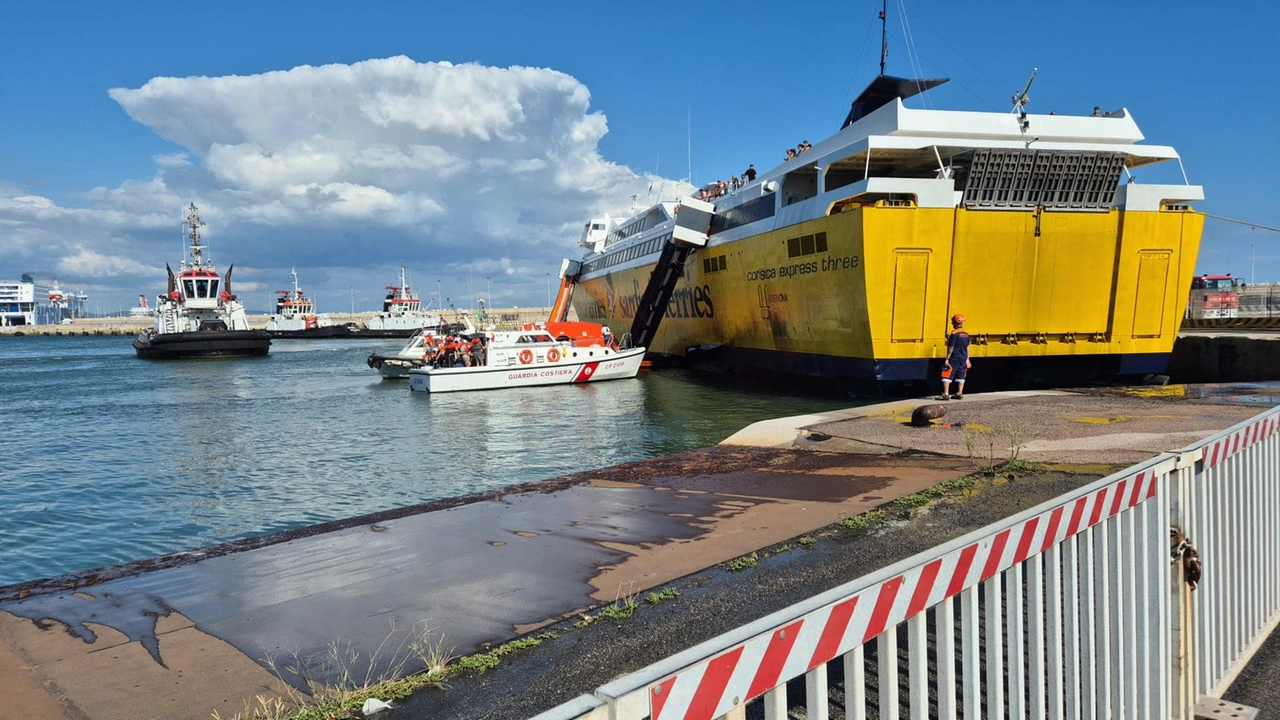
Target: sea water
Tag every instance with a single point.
(105, 458)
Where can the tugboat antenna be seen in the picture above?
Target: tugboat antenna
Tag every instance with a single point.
(884, 35)
(193, 221)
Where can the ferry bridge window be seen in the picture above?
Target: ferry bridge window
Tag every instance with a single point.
(807, 245)
(190, 288)
(213, 288)
(713, 264)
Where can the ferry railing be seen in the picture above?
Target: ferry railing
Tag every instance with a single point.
(1079, 607)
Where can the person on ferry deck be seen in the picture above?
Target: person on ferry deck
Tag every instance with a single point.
(750, 173)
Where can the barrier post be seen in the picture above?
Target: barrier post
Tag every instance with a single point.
(1182, 635)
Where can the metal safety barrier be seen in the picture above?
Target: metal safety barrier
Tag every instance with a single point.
(1081, 607)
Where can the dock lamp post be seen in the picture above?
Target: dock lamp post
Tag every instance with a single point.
(548, 289)
(488, 290)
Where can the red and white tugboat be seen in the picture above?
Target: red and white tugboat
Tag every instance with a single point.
(296, 317)
(402, 313)
(197, 318)
(562, 353)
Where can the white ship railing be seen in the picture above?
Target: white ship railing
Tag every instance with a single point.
(1077, 607)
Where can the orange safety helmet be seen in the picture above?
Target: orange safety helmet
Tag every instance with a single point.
(957, 319)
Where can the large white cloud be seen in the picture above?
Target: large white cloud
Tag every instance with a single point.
(454, 169)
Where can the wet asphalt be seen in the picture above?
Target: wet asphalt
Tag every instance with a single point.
(713, 602)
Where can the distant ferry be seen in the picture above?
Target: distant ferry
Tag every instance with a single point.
(842, 265)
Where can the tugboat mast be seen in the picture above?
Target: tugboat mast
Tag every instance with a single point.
(195, 223)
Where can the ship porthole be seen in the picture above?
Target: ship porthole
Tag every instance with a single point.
(591, 352)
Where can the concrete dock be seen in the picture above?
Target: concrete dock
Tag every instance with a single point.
(130, 326)
(186, 635)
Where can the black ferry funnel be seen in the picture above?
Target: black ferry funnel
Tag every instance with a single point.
(884, 90)
(226, 282)
(173, 283)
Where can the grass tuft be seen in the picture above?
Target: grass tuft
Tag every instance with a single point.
(865, 520)
(745, 562)
(481, 663)
(661, 596)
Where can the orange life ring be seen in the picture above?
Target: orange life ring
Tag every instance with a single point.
(553, 355)
(526, 356)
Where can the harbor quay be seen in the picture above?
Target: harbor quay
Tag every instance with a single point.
(541, 592)
(130, 326)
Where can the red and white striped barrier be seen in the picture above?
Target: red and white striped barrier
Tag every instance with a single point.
(715, 686)
(1088, 628)
(1223, 448)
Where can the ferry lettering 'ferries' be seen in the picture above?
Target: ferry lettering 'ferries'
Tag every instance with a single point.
(843, 264)
(552, 353)
(197, 318)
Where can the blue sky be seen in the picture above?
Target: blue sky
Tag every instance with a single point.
(752, 77)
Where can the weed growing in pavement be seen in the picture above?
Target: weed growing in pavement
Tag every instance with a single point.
(865, 520)
(621, 609)
(352, 688)
(982, 444)
(661, 596)
(960, 483)
(745, 562)
(806, 542)
(481, 663)
(1018, 466)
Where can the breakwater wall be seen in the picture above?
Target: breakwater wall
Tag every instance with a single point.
(129, 326)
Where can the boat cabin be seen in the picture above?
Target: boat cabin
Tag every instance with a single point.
(291, 305)
(400, 300)
(199, 288)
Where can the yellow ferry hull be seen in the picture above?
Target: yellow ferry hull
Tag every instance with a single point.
(1045, 293)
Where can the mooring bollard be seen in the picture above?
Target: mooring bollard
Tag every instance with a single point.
(924, 415)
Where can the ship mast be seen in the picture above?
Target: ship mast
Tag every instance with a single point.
(884, 35)
(194, 222)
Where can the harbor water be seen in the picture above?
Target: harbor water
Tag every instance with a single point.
(106, 458)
